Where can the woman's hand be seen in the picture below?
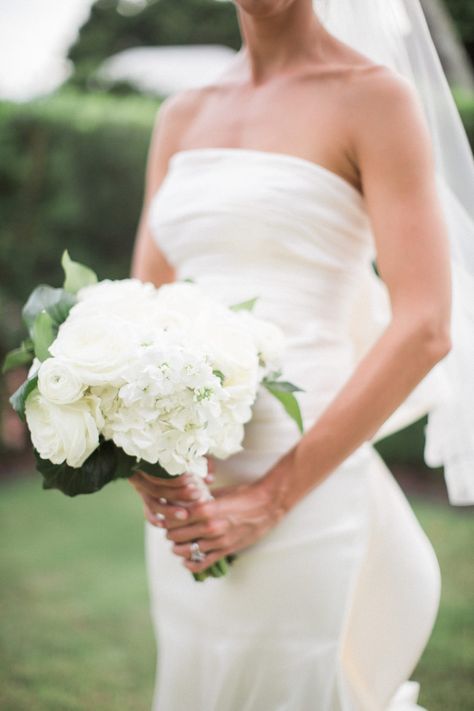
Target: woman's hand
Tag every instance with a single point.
(166, 495)
(237, 517)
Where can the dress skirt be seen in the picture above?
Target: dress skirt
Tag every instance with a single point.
(330, 611)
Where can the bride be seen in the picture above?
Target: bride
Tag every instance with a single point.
(283, 180)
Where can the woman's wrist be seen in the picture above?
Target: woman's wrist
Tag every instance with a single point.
(279, 485)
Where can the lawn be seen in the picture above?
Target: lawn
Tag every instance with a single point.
(76, 634)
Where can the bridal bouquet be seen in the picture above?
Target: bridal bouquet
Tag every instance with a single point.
(125, 376)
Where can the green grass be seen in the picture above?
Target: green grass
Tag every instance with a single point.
(446, 669)
(76, 633)
(75, 629)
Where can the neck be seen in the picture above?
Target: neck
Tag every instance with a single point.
(273, 42)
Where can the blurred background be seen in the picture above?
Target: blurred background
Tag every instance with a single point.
(80, 84)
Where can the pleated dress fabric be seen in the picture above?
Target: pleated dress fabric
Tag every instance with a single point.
(332, 609)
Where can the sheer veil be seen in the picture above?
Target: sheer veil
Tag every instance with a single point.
(395, 33)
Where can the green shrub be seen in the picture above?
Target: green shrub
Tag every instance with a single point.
(71, 176)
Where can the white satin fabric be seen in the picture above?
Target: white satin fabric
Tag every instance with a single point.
(332, 609)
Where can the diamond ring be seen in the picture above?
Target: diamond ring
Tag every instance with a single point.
(197, 554)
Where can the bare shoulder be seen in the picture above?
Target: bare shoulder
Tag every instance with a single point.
(379, 84)
(378, 97)
(183, 104)
(176, 113)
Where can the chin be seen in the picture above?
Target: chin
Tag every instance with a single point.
(263, 8)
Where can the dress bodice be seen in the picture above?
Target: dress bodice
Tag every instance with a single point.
(245, 223)
(241, 221)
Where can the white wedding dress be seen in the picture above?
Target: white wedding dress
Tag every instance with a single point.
(332, 609)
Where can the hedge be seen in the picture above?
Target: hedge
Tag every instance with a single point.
(71, 176)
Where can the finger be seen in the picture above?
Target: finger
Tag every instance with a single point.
(150, 516)
(186, 534)
(166, 514)
(199, 512)
(210, 559)
(161, 490)
(206, 545)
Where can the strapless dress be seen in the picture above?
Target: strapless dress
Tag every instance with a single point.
(332, 609)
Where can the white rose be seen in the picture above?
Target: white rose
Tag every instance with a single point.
(127, 299)
(183, 297)
(58, 382)
(98, 348)
(269, 339)
(112, 291)
(61, 433)
(230, 347)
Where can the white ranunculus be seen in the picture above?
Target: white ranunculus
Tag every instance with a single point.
(99, 348)
(58, 382)
(64, 433)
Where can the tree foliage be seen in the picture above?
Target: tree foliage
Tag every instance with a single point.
(110, 29)
(462, 12)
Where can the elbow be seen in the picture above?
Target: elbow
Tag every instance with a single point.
(435, 339)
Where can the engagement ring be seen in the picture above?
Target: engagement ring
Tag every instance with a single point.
(196, 553)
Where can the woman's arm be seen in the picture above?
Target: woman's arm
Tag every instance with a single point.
(148, 262)
(392, 149)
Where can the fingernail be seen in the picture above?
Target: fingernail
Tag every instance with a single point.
(181, 515)
(160, 517)
(162, 501)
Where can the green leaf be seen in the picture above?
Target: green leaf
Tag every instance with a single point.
(19, 356)
(244, 305)
(105, 464)
(56, 302)
(43, 334)
(287, 399)
(282, 385)
(125, 464)
(189, 280)
(18, 399)
(76, 275)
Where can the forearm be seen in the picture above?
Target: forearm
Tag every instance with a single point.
(382, 380)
